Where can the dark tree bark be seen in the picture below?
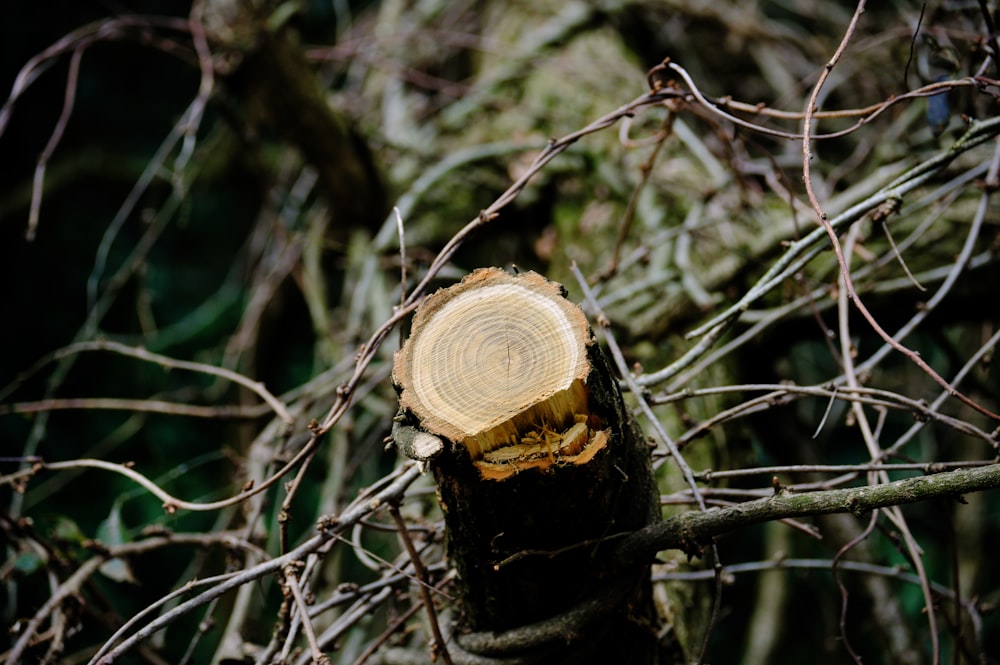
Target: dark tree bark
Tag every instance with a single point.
(541, 470)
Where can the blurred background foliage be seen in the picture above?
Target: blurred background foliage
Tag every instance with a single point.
(259, 238)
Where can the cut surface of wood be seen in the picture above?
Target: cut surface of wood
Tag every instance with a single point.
(494, 360)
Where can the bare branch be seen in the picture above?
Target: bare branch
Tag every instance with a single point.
(690, 530)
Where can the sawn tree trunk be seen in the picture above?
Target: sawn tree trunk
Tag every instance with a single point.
(540, 469)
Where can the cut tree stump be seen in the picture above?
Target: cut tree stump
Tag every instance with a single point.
(505, 393)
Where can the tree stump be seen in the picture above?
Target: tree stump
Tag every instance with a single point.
(539, 466)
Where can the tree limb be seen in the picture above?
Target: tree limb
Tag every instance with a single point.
(689, 531)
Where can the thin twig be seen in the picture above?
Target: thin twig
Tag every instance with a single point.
(439, 647)
(778, 395)
(844, 595)
(328, 528)
(402, 256)
(292, 584)
(390, 630)
(957, 269)
(165, 361)
(675, 452)
(553, 149)
(867, 115)
(113, 29)
(849, 293)
(645, 169)
(74, 582)
(802, 251)
(135, 405)
(991, 31)
(824, 221)
(170, 502)
(38, 181)
(899, 257)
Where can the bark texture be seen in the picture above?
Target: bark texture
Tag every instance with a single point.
(536, 543)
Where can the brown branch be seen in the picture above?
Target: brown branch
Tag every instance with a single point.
(328, 527)
(811, 109)
(783, 394)
(170, 502)
(844, 595)
(398, 622)
(69, 98)
(104, 30)
(142, 354)
(438, 647)
(866, 115)
(143, 405)
(645, 169)
(553, 149)
(292, 584)
(73, 584)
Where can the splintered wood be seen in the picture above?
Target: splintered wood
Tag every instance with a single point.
(543, 448)
(498, 364)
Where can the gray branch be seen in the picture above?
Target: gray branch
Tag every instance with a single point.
(689, 531)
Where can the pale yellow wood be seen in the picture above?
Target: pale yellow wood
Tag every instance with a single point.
(493, 357)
